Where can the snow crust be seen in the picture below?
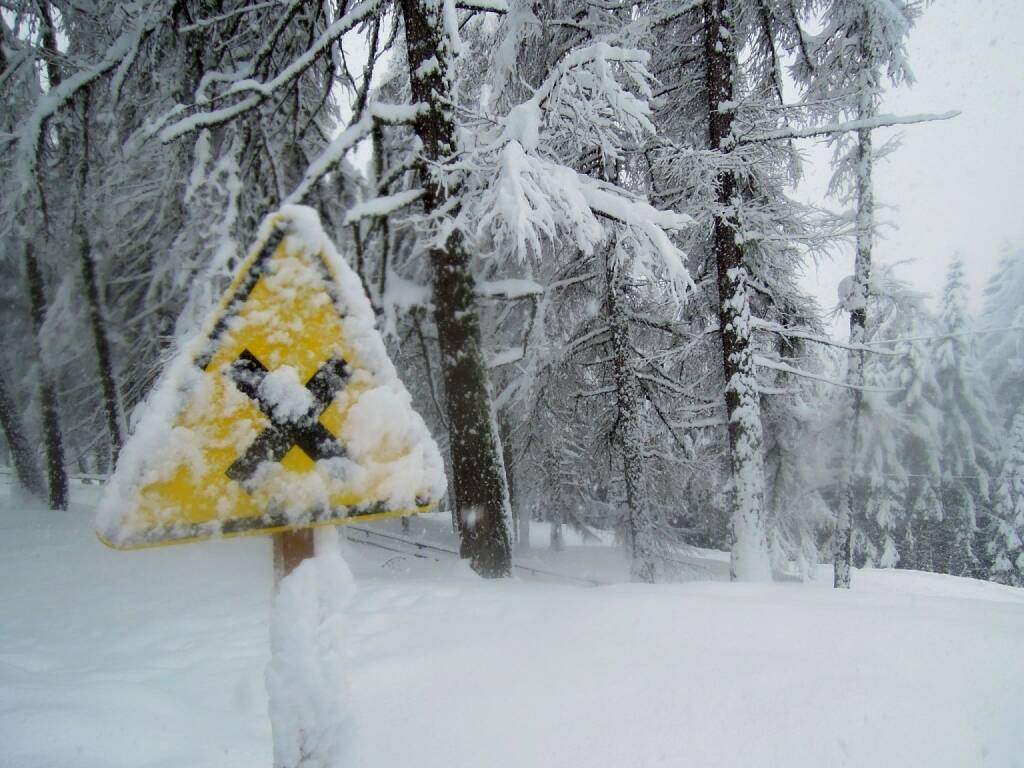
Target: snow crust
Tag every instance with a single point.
(156, 659)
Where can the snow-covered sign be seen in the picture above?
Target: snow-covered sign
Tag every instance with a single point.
(285, 412)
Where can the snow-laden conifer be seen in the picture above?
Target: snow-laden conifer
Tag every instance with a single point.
(1002, 348)
(1006, 547)
(967, 440)
(843, 68)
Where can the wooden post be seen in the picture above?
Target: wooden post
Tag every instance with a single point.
(290, 549)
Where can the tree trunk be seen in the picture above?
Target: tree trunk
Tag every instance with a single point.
(58, 479)
(556, 541)
(523, 542)
(48, 36)
(628, 396)
(843, 555)
(479, 483)
(505, 435)
(858, 305)
(22, 457)
(97, 322)
(749, 543)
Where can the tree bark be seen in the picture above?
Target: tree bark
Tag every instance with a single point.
(507, 460)
(843, 555)
(97, 323)
(48, 35)
(858, 299)
(628, 396)
(25, 469)
(58, 479)
(749, 560)
(478, 482)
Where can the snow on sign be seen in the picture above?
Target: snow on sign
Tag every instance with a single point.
(285, 412)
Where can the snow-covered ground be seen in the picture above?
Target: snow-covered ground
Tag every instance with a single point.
(156, 659)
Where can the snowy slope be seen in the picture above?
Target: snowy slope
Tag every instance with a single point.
(156, 659)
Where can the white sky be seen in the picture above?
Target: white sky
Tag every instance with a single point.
(954, 186)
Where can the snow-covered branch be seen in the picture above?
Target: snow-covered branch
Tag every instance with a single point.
(122, 49)
(777, 365)
(255, 91)
(1008, 329)
(349, 138)
(382, 206)
(509, 290)
(878, 121)
(797, 333)
(482, 6)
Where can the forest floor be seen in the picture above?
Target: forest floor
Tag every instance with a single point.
(155, 660)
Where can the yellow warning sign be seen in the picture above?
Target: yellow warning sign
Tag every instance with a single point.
(284, 413)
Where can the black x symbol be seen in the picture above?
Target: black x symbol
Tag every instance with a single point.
(306, 431)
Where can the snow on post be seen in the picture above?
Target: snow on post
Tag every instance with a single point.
(307, 688)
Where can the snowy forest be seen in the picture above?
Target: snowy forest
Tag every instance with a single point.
(574, 222)
(586, 384)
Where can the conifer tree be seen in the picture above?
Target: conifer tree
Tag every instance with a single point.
(967, 440)
(861, 43)
(479, 484)
(1006, 548)
(1002, 351)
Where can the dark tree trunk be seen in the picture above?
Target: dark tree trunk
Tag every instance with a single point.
(627, 399)
(749, 546)
(25, 469)
(48, 35)
(478, 481)
(97, 322)
(58, 479)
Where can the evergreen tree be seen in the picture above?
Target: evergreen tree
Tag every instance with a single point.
(1006, 548)
(967, 440)
(898, 457)
(862, 42)
(723, 157)
(1002, 351)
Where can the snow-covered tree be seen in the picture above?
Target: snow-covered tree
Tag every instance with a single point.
(898, 458)
(1002, 351)
(861, 44)
(967, 440)
(724, 158)
(1006, 547)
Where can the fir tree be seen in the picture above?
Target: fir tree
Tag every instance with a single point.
(967, 441)
(861, 42)
(1002, 351)
(1006, 548)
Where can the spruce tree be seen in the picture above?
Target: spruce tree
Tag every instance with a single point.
(1006, 547)
(967, 440)
(1002, 350)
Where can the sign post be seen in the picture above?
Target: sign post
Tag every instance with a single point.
(290, 549)
(284, 414)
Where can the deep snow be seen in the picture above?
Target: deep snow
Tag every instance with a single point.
(157, 658)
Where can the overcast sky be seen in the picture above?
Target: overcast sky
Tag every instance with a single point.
(954, 186)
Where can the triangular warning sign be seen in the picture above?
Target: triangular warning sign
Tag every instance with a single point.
(284, 413)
